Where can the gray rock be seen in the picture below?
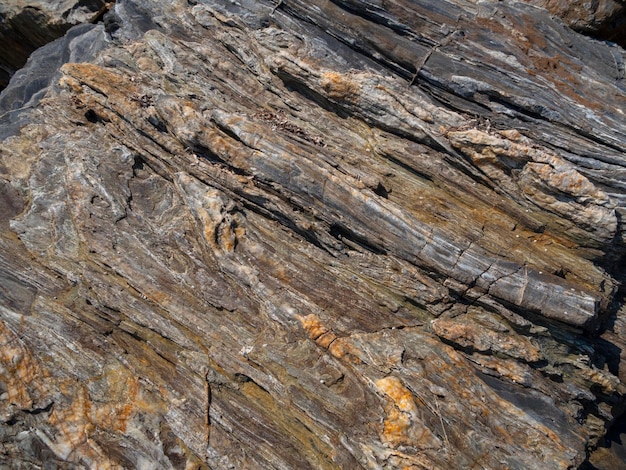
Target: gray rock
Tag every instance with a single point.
(313, 235)
(31, 83)
(27, 25)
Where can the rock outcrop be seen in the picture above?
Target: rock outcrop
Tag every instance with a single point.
(27, 25)
(313, 234)
(605, 19)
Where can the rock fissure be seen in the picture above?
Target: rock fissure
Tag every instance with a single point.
(346, 234)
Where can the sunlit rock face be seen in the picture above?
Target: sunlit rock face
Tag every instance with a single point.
(28, 25)
(347, 234)
(603, 19)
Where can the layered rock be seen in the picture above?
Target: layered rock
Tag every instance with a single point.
(605, 19)
(27, 25)
(314, 235)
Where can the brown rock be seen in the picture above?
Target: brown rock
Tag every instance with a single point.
(313, 235)
(604, 19)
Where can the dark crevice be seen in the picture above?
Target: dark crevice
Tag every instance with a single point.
(163, 172)
(92, 116)
(543, 114)
(612, 29)
(404, 70)
(23, 34)
(162, 356)
(158, 124)
(207, 154)
(378, 16)
(256, 203)
(413, 302)
(36, 411)
(259, 205)
(444, 96)
(294, 85)
(343, 233)
(533, 402)
(431, 85)
(614, 439)
(412, 170)
(468, 350)
(536, 112)
(244, 379)
(589, 135)
(134, 335)
(104, 9)
(381, 191)
(138, 165)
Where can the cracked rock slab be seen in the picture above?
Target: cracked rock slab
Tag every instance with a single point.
(315, 234)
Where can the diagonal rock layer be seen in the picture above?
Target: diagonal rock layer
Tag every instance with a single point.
(321, 234)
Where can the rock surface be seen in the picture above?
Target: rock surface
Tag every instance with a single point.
(605, 19)
(347, 234)
(27, 25)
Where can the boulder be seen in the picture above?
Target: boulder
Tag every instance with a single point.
(313, 234)
(27, 25)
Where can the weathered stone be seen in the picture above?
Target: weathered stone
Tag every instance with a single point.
(27, 25)
(604, 19)
(348, 234)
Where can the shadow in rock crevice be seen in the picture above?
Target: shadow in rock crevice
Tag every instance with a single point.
(611, 451)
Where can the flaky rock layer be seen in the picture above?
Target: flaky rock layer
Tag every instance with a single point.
(347, 234)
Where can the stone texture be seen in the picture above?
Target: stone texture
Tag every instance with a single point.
(605, 19)
(348, 234)
(27, 25)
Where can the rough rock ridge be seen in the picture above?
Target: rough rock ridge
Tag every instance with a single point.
(27, 25)
(313, 234)
(605, 19)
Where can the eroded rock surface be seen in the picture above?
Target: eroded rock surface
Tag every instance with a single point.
(26, 25)
(347, 234)
(605, 19)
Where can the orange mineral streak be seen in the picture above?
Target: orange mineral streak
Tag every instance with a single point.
(72, 423)
(84, 414)
(343, 349)
(115, 416)
(19, 370)
(76, 415)
(75, 422)
(227, 238)
(401, 425)
(398, 393)
(313, 325)
(97, 78)
(338, 86)
(326, 339)
(396, 426)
